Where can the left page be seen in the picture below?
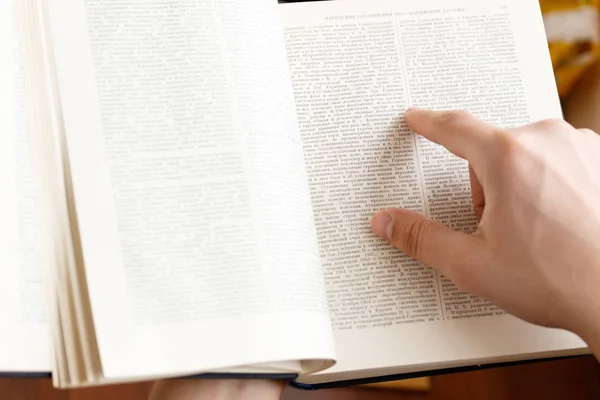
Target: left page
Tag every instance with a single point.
(24, 338)
(193, 206)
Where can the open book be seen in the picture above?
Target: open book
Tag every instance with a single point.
(188, 186)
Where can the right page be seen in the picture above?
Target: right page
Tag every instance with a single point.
(356, 67)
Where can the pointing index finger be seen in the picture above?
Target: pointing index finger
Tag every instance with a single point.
(460, 132)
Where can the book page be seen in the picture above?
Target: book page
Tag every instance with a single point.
(195, 217)
(24, 341)
(356, 67)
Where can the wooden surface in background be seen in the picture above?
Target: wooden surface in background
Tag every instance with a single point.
(566, 379)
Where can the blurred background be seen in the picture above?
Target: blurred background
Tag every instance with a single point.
(572, 30)
(572, 379)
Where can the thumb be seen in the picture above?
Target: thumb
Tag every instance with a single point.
(430, 242)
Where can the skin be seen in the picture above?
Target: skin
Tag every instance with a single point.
(199, 389)
(536, 252)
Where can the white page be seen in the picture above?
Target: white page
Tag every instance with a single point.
(357, 66)
(24, 342)
(195, 217)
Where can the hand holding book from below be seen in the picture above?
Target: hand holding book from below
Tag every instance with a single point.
(536, 191)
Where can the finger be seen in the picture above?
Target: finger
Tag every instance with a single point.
(477, 194)
(432, 243)
(460, 132)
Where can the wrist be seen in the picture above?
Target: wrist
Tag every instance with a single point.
(589, 327)
(581, 301)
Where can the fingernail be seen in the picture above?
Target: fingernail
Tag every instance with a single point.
(412, 109)
(383, 225)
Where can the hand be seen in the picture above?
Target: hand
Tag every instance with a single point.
(205, 389)
(536, 190)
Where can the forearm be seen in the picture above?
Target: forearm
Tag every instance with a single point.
(201, 389)
(590, 333)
